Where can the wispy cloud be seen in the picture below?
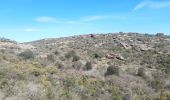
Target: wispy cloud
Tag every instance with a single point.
(102, 17)
(31, 30)
(152, 4)
(81, 20)
(88, 19)
(141, 5)
(46, 19)
(96, 18)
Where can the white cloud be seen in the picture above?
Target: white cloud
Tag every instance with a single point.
(152, 4)
(102, 17)
(93, 18)
(31, 30)
(81, 20)
(46, 19)
(141, 5)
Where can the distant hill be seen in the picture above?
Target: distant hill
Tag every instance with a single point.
(6, 40)
(113, 66)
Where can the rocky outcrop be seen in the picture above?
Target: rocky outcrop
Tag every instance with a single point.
(114, 56)
(126, 46)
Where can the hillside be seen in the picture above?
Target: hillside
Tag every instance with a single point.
(113, 66)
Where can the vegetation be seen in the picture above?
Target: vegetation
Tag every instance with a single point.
(110, 66)
(70, 54)
(88, 66)
(27, 54)
(112, 70)
(163, 61)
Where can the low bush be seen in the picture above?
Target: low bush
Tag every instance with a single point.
(62, 58)
(59, 65)
(77, 65)
(88, 66)
(56, 52)
(163, 62)
(50, 57)
(70, 54)
(97, 55)
(157, 84)
(75, 58)
(165, 95)
(112, 70)
(141, 72)
(27, 54)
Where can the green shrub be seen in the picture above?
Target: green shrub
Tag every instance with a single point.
(59, 65)
(164, 62)
(75, 58)
(56, 52)
(27, 54)
(157, 84)
(36, 73)
(62, 58)
(97, 55)
(50, 93)
(77, 65)
(112, 70)
(149, 57)
(50, 57)
(70, 54)
(165, 95)
(3, 83)
(159, 34)
(141, 72)
(88, 66)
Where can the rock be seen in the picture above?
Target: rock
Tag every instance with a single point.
(120, 57)
(144, 47)
(113, 56)
(126, 46)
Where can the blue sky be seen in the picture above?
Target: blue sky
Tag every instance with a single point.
(27, 20)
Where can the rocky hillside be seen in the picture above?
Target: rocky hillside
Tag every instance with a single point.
(113, 66)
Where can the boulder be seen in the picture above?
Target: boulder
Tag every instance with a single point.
(126, 46)
(114, 56)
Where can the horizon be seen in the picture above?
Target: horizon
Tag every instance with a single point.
(29, 20)
(82, 35)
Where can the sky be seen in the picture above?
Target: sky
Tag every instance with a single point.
(28, 20)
